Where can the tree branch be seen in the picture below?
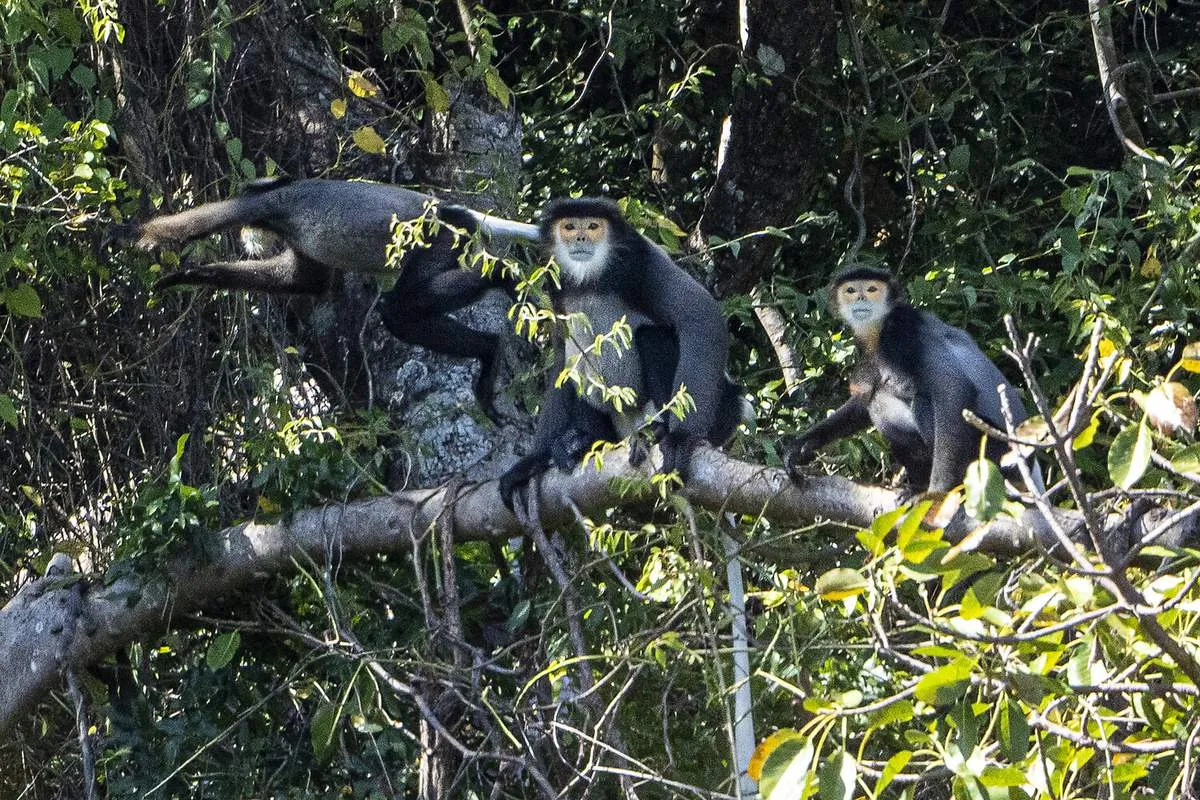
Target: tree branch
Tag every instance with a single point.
(43, 631)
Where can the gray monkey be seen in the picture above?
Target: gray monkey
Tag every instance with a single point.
(328, 225)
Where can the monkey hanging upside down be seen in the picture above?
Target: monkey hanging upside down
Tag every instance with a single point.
(328, 225)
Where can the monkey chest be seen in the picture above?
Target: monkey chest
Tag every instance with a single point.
(892, 404)
(599, 343)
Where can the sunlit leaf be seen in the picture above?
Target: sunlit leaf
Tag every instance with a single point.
(840, 583)
(785, 771)
(1088, 434)
(984, 487)
(367, 140)
(361, 85)
(338, 108)
(1187, 460)
(222, 650)
(945, 684)
(1129, 455)
(766, 747)
(895, 765)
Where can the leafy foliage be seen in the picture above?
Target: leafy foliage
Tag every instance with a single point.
(887, 663)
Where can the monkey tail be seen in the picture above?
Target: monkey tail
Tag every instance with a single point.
(496, 227)
(261, 185)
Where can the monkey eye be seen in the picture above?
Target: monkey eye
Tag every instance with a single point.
(592, 226)
(568, 226)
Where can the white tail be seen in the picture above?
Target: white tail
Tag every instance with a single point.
(506, 228)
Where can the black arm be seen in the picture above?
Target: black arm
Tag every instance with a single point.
(849, 419)
(672, 298)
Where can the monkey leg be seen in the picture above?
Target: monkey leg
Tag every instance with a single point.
(416, 314)
(286, 272)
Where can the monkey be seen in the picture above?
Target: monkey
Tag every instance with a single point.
(609, 272)
(328, 225)
(916, 376)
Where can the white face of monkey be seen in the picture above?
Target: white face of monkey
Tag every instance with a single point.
(581, 246)
(863, 304)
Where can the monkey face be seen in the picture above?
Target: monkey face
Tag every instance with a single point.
(863, 303)
(581, 245)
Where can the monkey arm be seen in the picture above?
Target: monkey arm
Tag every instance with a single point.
(850, 418)
(671, 297)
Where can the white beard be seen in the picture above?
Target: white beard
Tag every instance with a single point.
(865, 326)
(580, 271)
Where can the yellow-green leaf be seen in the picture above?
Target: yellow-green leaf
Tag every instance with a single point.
(945, 684)
(22, 301)
(361, 85)
(338, 108)
(1129, 455)
(436, 96)
(367, 140)
(1088, 434)
(840, 583)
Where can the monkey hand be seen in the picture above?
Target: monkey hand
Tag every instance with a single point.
(800, 452)
(677, 448)
(515, 482)
(120, 235)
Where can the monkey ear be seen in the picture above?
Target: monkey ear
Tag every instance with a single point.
(831, 301)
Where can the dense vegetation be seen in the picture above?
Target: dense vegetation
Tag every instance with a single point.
(1004, 158)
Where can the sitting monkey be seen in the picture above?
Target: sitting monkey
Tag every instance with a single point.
(915, 378)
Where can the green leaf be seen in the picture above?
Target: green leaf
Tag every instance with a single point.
(323, 730)
(1129, 455)
(222, 650)
(984, 490)
(1014, 732)
(519, 615)
(22, 301)
(840, 583)
(946, 684)
(959, 158)
(838, 777)
(785, 772)
(8, 410)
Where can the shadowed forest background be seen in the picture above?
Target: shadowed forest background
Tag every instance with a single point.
(1021, 159)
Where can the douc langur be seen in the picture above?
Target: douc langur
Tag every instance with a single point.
(608, 271)
(916, 376)
(328, 225)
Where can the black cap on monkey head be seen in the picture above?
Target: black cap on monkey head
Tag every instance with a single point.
(582, 207)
